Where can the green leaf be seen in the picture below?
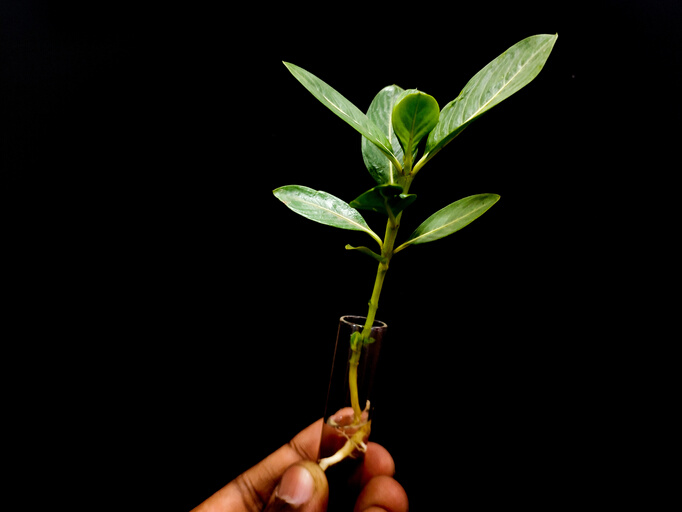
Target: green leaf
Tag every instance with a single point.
(343, 108)
(414, 116)
(379, 112)
(384, 196)
(450, 219)
(375, 198)
(501, 78)
(368, 252)
(324, 208)
(355, 340)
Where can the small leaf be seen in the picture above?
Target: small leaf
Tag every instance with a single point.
(414, 116)
(324, 208)
(380, 111)
(401, 202)
(501, 78)
(384, 196)
(343, 108)
(450, 219)
(368, 252)
(375, 198)
(356, 340)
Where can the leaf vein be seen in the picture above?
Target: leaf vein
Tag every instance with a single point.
(520, 69)
(347, 219)
(469, 213)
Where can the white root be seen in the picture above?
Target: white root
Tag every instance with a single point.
(355, 442)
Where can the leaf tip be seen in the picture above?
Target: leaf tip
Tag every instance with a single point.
(291, 67)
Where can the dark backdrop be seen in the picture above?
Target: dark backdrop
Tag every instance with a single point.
(195, 315)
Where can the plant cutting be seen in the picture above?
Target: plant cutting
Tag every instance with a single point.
(402, 130)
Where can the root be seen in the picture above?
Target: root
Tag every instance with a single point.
(354, 442)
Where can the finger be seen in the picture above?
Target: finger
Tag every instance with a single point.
(382, 493)
(377, 462)
(303, 488)
(252, 489)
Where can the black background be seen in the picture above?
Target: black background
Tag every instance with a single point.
(178, 320)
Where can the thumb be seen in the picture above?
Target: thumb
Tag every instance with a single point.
(303, 487)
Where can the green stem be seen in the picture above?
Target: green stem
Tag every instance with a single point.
(386, 253)
(353, 382)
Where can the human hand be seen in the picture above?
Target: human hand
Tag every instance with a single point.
(289, 479)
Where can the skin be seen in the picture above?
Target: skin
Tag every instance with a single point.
(259, 488)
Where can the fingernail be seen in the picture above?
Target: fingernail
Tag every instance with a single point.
(296, 487)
